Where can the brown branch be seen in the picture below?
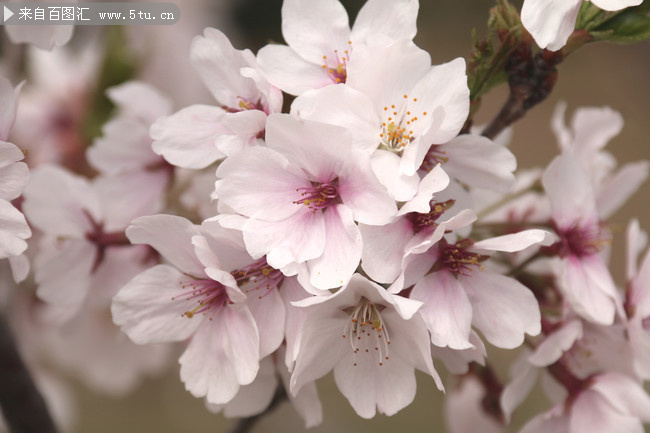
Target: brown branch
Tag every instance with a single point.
(22, 405)
(531, 78)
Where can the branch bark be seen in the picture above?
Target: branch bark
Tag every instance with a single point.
(22, 405)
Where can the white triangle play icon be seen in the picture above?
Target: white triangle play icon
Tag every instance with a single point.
(8, 14)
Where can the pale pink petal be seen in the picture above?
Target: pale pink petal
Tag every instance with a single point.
(295, 318)
(589, 288)
(315, 29)
(550, 22)
(207, 365)
(457, 361)
(127, 196)
(390, 387)
(19, 267)
(516, 241)
(480, 162)
(545, 422)
(149, 309)
(260, 183)
(187, 138)
(125, 146)
(363, 194)
(446, 310)
(306, 402)
(593, 128)
(59, 202)
(386, 166)
(571, 194)
(591, 412)
(317, 148)
(140, 100)
(253, 398)
(386, 71)
(285, 69)
(523, 378)
(342, 251)
(394, 19)
(171, 236)
(504, 309)
(63, 271)
(342, 106)
(13, 231)
(434, 181)
(615, 191)
(296, 239)
(624, 393)
(383, 249)
(9, 96)
(555, 344)
(268, 311)
(321, 348)
(14, 175)
(219, 63)
(43, 37)
(464, 409)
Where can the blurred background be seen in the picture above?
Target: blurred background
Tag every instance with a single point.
(597, 75)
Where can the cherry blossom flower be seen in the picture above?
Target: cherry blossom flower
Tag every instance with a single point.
(396, 109)
(584, 278)
(302, 195)
(551, 22)
(198, 135)
(321, 43)
(198, 295)
(372, 339)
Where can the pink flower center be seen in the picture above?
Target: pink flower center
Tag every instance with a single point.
(336, 66)
(397, 127)
(427, 221)
(582, 241)
(319, 196)
(456, 258)
(256, 276)
(366, 330)
(210, 297)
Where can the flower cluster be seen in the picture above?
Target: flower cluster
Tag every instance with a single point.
(332, 210)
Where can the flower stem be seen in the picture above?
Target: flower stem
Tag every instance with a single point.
(22, 404)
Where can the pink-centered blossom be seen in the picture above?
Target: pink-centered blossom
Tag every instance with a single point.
(302, 196)
(584, 278)
(321, 43)
(211, 291)
(198, 135)
(372, 339)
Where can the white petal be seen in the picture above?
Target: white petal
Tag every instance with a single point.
(434, 181)
(187, 137)
(615, 191)
(268, 311)
(386, 166)
(140, 100)
(9, 96)
(616, 5)
(383, 249)
(524, 377)
(13, 231)
(550, 22)
(480, 162)
(43, 37)
(315, 29)
(394, 19)
(285, 69)
(342, 251)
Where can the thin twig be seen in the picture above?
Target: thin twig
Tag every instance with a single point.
(245, 424)
(22, 405)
